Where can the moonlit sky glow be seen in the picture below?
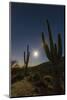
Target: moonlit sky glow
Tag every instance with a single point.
(26, 27)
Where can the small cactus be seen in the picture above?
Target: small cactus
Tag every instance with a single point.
(53, 53)
(26, 59)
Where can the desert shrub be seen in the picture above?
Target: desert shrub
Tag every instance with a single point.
(48, 78)
(33, 77)
(28, 78)
(36, 77)
(40, 87)
(49, 81)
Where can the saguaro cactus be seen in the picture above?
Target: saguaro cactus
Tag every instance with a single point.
(26, 59)
(53, 53)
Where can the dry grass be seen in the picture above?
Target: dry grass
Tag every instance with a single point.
(22, 88)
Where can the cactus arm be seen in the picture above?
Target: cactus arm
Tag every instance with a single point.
(24, 57)
(50, 36)
(45, 46)
(28, 54)
(59, 45)
(47, 51)
(43, 39)
(55, 49)
(55, 56)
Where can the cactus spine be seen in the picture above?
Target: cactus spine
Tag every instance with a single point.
(55, 52)
(26, 59)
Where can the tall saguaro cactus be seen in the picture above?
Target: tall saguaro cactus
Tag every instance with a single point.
(53, 53)
(26, 59)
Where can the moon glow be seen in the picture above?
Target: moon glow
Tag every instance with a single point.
(35, 53)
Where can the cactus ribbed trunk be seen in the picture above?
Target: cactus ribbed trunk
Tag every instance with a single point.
(26, 59)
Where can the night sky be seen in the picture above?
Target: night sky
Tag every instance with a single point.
(27, 23)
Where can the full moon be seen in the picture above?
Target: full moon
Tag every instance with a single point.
(35, 54)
